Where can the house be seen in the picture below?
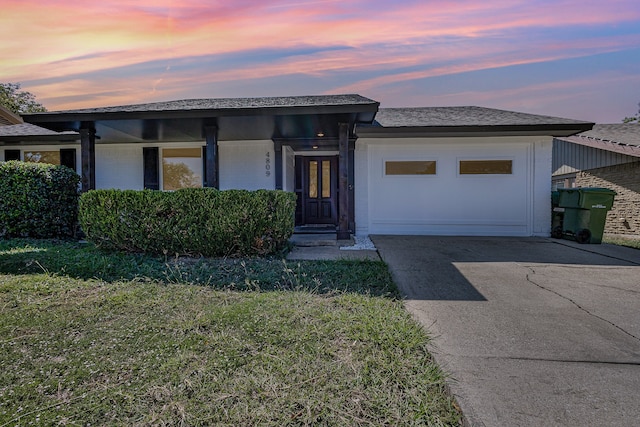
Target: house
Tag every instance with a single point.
(606, 156)
(16, 137)
(447, 171)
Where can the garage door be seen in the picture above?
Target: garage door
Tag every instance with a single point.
(450, 189)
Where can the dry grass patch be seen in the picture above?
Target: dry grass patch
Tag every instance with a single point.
(137, 352)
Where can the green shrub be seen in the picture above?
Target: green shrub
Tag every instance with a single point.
(38, 200)
(192, 221)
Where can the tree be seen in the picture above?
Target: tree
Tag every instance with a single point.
(19, 101)
(633, 119)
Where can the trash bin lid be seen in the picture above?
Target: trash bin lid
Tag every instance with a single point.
(596, 190)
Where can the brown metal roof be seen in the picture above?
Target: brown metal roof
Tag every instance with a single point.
(8, 117)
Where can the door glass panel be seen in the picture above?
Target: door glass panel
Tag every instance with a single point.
(326, 178)
(313, 179)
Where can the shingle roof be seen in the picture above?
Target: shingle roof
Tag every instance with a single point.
(462, 116)
(623, 138)
(228, 104)
(29, 131)
(619, 133)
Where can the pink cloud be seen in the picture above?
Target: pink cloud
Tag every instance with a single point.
(399, 41)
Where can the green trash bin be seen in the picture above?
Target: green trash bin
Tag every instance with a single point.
(585, 212)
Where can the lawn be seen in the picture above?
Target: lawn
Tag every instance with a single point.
(95, 338)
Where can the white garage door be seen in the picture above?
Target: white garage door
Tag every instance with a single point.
(450, 189)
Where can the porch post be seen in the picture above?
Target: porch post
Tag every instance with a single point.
(277, 150)
(343, 182)
(212, 172)
(352, 204)
(88, 156)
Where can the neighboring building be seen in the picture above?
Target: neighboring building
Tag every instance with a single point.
(443, 171)
(607, 156)
(8, 118)
(17, 139)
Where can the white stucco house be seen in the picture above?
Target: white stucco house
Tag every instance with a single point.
(368, 170)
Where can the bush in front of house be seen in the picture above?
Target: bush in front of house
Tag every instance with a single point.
(38, 200)
(190, 221)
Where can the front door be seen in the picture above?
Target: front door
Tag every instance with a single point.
(318, 189)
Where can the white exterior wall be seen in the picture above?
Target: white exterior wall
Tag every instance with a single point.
(448, 203)
(247, 165)
(543, 164)
(289, 169)
(119, 166)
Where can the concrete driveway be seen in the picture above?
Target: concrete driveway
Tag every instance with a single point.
(535, 332)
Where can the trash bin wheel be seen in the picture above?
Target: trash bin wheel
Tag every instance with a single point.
(556, 233)
(583, 235)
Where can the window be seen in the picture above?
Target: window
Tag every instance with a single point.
(486, 167)
(181, 168)
(11, 155)
(51, 157)
(421, 167)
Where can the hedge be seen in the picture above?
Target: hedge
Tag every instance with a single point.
(38, 200)
(190, 221)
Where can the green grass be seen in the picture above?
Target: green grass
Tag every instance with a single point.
(622, 241)
(93, 338)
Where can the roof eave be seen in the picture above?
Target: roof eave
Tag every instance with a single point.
(17, 139)
(556, 130)
(357, 109)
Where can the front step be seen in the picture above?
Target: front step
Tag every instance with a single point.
(316, 239)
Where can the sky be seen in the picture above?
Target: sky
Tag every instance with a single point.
(566, 58)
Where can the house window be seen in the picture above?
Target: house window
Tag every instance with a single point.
(486, 167)
(181, 168)
(421, 167)
(11, 155)
(51, 157)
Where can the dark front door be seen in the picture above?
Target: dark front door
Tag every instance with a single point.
(318, 189)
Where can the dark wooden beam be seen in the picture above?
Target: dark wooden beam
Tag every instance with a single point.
(343, 182)
(88, 156)
(277, 162)
(212, 172)
(352, 204)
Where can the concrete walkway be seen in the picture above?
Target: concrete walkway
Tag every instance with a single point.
(325, 247)
(535, 332)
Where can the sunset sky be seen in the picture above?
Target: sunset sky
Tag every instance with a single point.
(568, 58)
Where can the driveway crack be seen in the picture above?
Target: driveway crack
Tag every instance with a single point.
(578, 305)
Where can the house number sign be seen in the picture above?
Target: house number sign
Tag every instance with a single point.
(267, 164)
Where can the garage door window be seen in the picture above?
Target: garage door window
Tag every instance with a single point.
(421, 167)
(486, 167)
